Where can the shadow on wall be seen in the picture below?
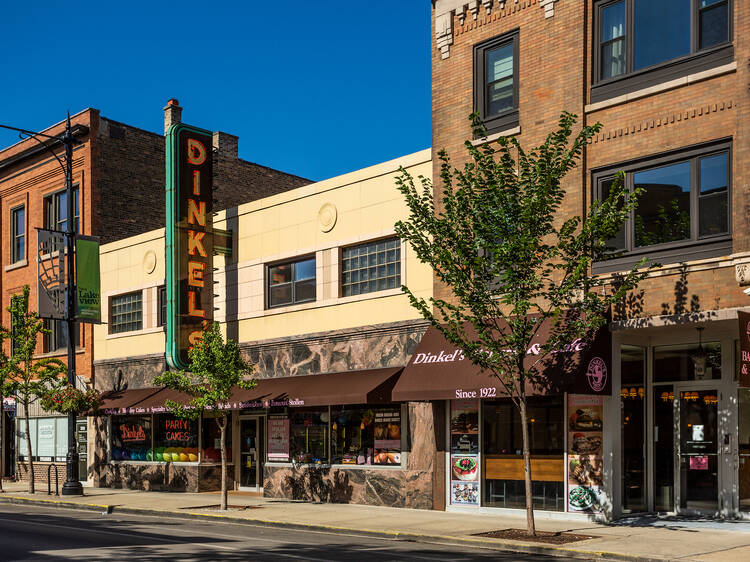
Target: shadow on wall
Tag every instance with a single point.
(320, 484)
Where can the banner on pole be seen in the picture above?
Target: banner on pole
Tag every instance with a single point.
(89, 293)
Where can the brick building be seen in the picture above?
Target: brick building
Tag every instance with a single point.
(668, 82)
(119, 175)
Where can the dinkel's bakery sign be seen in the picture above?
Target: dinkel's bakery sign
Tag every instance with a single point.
(189, 239)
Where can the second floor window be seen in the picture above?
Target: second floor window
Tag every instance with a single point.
(685, 200)
(56, 210)
(57, 338)
(18, 234)
(370, 267)
(496, 82)
(291, 282)
(640, 34)
(126, 313)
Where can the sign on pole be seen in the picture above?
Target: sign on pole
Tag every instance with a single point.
(189, 239)
(88, 284)
(50, 268)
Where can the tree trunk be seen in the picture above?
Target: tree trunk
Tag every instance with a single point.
(28, 447)
(530, 526)
(222, 428)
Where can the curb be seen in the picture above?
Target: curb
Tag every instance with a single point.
(490, 544)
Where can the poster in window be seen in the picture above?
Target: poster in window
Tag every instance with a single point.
(464, 493)
(585, 464)
(585, 470)
(464, 427)
(465, 468)
(45, 438)
(278, 439)
(388, 430)
(585, 499)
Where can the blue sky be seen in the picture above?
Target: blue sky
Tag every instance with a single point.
(314, 88)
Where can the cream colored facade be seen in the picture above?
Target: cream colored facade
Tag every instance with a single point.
(318, 219)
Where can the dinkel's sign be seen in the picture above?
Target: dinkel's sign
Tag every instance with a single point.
(189, 239)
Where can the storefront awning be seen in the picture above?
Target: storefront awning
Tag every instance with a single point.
(438, 370)
(372, 386)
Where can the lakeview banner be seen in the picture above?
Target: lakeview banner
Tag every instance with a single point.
(88, 281)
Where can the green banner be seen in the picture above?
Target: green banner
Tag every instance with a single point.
(89, 307)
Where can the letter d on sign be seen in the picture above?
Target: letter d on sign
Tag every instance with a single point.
(196, 152)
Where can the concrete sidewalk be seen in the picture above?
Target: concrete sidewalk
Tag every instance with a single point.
(640, 538)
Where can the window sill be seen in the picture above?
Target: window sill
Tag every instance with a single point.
(336, 466)
(500, 124)
(135, 333)
(16, 265)
(673, 74)
(668, 256)
(58, 353)
(495, 136)
(168, 462)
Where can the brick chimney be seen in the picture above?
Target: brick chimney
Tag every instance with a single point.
(172, 114)
(226, 144)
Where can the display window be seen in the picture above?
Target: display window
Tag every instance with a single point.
(131, 438)
(308, 435)
(175, 439)
(211, 439)
(364, 435)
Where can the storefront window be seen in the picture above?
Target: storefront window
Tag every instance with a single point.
(689, 362)
(211, 439)
(502, 445)
(49, 439)
(131, 438)
(309, 435)
(175, 440)
(363, 435)
(743, 400)
(633, 406)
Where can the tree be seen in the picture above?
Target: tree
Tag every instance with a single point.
(5, 390)
(216, 368)
(30, 379)
(512, 264)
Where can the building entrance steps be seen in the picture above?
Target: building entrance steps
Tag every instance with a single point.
(634, 538)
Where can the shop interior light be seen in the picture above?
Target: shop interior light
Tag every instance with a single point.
(700, 357)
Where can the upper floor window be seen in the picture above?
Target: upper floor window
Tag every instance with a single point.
(685, 202)
(291, 282)
(56, 210)
(638, 36)
(496, 82)
(370, 267)
(126, 313)
(57, 337)
(162, 303)
(18, 234)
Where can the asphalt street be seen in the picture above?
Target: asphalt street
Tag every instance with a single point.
(36, 533)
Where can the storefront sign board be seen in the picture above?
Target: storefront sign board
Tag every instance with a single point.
(189, 239)
(744, 363)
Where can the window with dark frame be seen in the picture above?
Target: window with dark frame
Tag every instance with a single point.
(126, 313)
(162, 319)
(57, 337)
(685, 201)
(290, 282)
(18, 234)
(370, 267)
(496, 82)
(644, 42)
(56, 210)
(15, 322)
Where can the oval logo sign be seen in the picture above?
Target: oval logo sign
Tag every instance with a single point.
(597, 374)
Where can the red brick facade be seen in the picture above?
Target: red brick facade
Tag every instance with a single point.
(555, 74)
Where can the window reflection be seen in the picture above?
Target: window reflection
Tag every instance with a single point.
(662, 31)
(663, 213)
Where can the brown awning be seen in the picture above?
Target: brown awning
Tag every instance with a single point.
(120, 402)
(438, 370)
(352, 387)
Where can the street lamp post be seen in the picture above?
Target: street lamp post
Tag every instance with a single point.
(72, 486)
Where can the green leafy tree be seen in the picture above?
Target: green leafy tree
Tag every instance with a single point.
(30, 379)
(512, 264)
(216, 369)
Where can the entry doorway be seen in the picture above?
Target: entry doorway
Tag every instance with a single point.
(252, 453)
(686, 449)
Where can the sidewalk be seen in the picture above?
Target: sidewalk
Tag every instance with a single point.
(636, 538)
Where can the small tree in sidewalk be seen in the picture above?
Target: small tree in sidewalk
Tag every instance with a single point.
(30, 379)
(216, 368)
(515, 265)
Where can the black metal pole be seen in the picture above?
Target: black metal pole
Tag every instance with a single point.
(72, 486)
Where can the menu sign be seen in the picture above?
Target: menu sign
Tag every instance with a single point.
(585, 465)
(464, 467)
(278, 439)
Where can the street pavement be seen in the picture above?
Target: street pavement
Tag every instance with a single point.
(636, 538)
(42, 533)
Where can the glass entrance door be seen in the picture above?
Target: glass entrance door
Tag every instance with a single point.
(697, 439)
(251, 453)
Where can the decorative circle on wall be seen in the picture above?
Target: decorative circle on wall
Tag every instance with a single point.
(149, 262)
(327, 216)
